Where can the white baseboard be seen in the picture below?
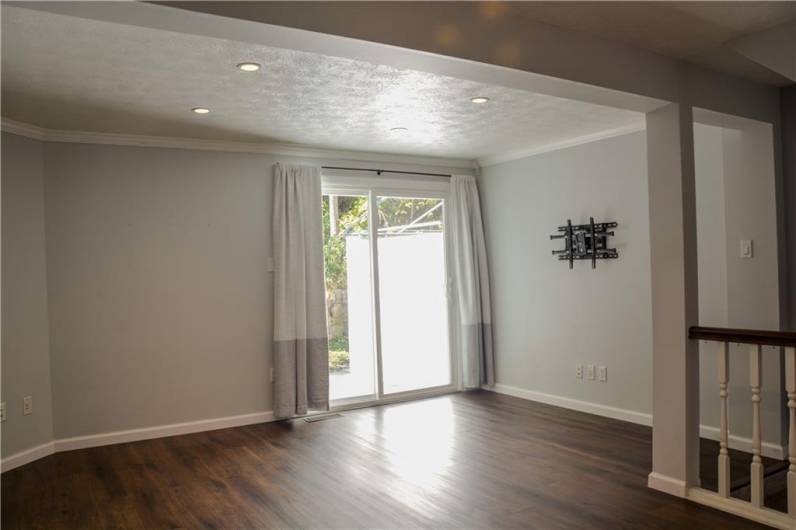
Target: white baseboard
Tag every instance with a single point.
(666, 484)
(574, 404)
(132, 435)
(770, 449)
(25, 457)
(741, 508)
(161, 431)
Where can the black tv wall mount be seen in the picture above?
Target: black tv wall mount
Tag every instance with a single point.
(585, 242)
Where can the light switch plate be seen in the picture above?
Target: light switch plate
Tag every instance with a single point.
(602, 374)
(590, 372)
(746, 248)
(3, 411)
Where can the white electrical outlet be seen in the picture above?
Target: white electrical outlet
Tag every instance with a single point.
(579, 371)
(602, 374)
(27, 405)
(3, 411)
(590, 372)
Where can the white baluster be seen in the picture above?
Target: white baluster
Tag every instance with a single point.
(724, 457)
(790, 386)
(757, 463)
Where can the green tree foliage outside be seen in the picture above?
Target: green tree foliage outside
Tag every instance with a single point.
(352, 219)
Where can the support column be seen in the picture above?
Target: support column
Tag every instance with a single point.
(673, 253)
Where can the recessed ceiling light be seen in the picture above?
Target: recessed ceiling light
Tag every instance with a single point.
(200, 110)
(479, 99)
(248, 67)
(399, 129)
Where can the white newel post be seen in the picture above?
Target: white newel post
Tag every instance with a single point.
(757, 463)
(724, 435)
(790, 386)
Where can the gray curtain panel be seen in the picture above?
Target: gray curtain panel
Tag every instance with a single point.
(301, 353)
(472, 284)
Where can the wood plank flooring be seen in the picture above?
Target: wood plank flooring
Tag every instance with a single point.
(471, 460)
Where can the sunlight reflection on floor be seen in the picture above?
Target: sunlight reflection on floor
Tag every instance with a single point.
(418, 440)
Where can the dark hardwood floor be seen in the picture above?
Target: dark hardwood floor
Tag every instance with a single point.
(472, 460)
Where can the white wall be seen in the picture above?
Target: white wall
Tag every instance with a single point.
(750, 204)
(711, 225)
(159, 295)
(548, 318)
(735, 193)
(711, 258)
(25, 343)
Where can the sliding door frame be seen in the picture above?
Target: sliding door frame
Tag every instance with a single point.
(374, 187)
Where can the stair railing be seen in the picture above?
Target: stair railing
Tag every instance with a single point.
(754, 509)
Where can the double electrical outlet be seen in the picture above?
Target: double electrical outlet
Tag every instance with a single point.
(601, 371)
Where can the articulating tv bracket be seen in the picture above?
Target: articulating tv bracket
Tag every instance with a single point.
(585, 242)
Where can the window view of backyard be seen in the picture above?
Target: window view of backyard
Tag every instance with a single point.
(346, 249)
(413, 305)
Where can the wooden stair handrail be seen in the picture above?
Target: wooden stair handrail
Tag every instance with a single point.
(756, 339)
(744, 336)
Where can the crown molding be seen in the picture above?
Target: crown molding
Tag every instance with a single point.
(299, 150)
(272, 148)
(518, 154)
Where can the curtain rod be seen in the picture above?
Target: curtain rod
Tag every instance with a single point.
(380, 171)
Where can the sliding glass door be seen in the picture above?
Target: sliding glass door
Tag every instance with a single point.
(412, 300)
(386, 293)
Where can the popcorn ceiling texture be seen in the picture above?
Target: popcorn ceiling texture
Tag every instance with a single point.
(75, 74)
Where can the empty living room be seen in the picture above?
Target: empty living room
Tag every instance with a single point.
(398, 265)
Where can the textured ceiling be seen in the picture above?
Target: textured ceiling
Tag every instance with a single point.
(69, 73)
(701, 32)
